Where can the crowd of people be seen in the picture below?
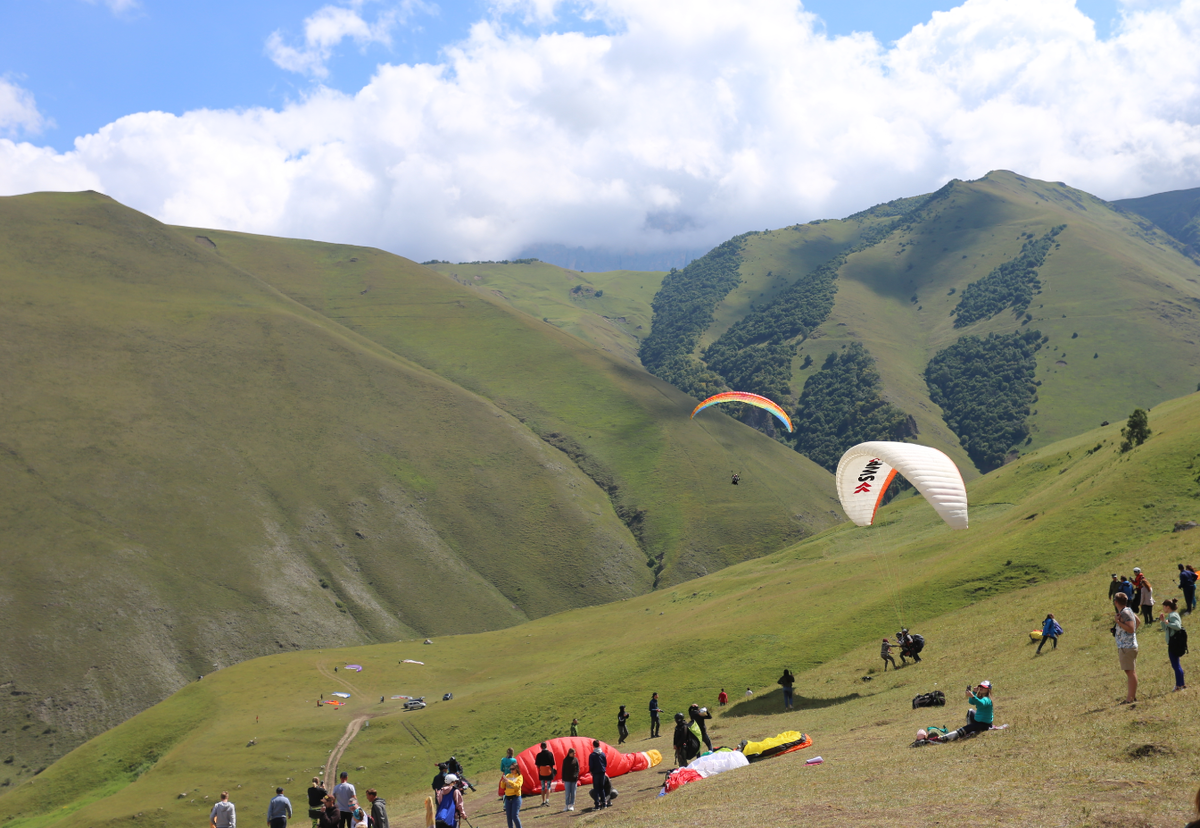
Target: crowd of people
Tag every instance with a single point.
(337, 809)
(1127, 596)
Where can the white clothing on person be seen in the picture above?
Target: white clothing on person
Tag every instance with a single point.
(1127, 640)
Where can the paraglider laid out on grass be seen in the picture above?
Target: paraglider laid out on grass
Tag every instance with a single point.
(619, 763)
(725, 759)
(865, 472)
(749, 399)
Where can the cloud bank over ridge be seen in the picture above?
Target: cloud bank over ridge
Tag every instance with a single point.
(684, 124)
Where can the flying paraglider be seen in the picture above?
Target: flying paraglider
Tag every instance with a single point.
(749, 399)
(618, 763)
(865, 472)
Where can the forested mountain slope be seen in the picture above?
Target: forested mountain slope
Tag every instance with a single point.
(197, 468)
(987, 318)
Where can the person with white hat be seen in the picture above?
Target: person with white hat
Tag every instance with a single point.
(979, 719)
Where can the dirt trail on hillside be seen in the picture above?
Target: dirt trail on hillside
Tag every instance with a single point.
(356, 724)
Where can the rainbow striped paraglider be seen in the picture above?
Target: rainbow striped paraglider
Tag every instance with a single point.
(749, 399)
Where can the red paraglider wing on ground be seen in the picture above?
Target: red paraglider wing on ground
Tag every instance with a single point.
(618, 763)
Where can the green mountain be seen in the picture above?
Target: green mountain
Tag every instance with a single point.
(1046, 531)
(216, 446)
(993, 317)
(1177, 212)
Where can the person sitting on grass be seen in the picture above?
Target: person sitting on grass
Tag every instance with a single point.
(978, 720)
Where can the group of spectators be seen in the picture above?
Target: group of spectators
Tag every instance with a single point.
(339, 809)
(1127, 595)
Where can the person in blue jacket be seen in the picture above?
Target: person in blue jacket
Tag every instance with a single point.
(1050, 631)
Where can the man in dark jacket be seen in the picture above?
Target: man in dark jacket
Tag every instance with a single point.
(378, 809)
(545, 767)
(439, 781)
(654, 716)
(698, 714)
(598, 767)
(687, 741)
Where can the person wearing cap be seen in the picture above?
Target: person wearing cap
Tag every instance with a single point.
(439, 781)
(1113, 587)
(449, 811)
(978, 720)
(622, 726)
(1125, 632)
(698, 714)
(885, 651)
(345, 795)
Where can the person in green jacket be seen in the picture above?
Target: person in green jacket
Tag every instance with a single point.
(1172, 625)
(978, 720)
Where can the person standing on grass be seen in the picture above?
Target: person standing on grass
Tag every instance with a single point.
(379, 817)
(598, 767)
(345, 795)
(574, 727)
(654, 723)
(223, 814)
(885, 651)
(316, 799)
(1136, 599)
(1125, 631)
(1114, 587)
(1187, 585)
(1172, 626)
(622, 726)
(1050, 631)
(1147, 601)
(722, 697)
(787, 680)
(978, 720)
(448, 803)
(330, 815)
(698, 714)
(544, 761)
(1127, 588)
(279, 810)
(570, 777)
(513, 781)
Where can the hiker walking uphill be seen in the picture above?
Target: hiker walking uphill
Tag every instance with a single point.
(654, 723)
(698, 714)
(622, 727)
(978, 720)
(1177, 645)
(1050, 631)
(1125, 633)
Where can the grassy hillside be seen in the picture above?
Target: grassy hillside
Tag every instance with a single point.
(197, 469)
(1116, 300)
(609, 309)
(1045, 533)
(1177, 212)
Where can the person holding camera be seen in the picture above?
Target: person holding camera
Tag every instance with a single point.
(978, 720)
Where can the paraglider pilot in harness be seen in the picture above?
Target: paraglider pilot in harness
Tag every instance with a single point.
(735, 478)
(911, 645)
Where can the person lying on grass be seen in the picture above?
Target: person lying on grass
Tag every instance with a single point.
(978, 720)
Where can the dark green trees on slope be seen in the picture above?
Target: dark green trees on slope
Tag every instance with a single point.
(985, 387)
(1011, 285)
(842, 405)
(683, 309)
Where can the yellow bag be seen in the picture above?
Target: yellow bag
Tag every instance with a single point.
(1036, 635)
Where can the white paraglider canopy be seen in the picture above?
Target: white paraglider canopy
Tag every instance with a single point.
(865, 472)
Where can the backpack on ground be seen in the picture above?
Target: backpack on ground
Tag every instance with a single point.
(1178, 645)
(935, 699)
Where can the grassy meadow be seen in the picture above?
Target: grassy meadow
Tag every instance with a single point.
(197, 469)
(1045, 533)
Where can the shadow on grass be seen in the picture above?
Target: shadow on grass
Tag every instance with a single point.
(772, 702)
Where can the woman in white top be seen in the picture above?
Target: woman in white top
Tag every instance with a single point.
(1147, 601)
(1125, 632)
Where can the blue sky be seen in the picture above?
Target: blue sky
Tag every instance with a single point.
(474, 129)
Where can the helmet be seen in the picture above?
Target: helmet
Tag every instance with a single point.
(679, 717)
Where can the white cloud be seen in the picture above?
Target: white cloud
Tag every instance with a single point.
(116, 6)
(326, 29)
(692, 121)
(18, 111)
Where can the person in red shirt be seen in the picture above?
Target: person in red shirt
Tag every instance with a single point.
(722, 697)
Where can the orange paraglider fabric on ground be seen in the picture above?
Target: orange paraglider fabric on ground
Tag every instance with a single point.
(619, 763)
